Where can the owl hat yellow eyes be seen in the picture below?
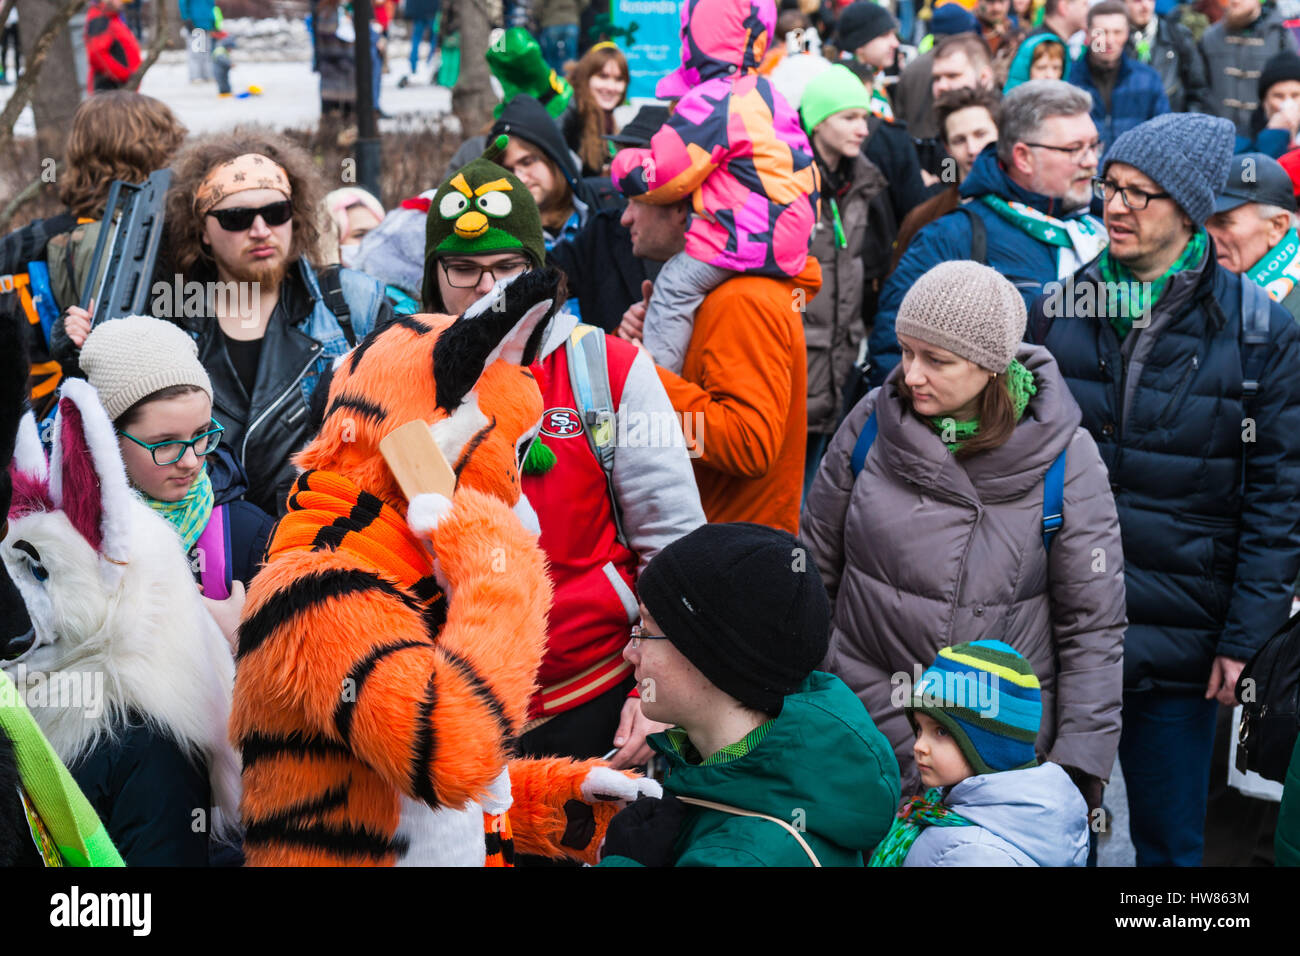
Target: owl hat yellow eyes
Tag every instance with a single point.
(483, 210)
(471, 209)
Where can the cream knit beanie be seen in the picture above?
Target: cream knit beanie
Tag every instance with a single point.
(968, 309)
(131, 358)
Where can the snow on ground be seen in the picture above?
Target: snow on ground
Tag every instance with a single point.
(290, 97)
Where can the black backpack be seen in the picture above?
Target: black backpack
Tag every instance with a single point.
(1269, 692)
(25, 297)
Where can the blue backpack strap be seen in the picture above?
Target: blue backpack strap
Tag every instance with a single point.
(1054, 500)
(863, 445)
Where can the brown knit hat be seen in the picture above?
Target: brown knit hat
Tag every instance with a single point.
(968, 309)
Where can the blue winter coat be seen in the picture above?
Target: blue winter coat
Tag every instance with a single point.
(1208, 563)
(199, 12)
(1031, 817)
(1139, 95)
(1024, 260)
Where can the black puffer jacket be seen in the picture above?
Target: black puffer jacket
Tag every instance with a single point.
(1209, 560)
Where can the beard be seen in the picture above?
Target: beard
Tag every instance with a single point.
(265, 275)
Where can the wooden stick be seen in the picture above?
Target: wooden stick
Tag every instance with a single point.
(417, 462)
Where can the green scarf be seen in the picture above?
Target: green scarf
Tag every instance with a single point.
(1020, 383)
(1078, 239)
(1136, 298)
(64, 813)
(917, 814)
(1279, 270)
(190, 515)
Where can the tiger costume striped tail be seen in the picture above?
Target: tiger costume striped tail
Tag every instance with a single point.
(388, 650)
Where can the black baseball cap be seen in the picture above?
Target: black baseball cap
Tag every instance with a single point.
(1259, 178)
(645, 124)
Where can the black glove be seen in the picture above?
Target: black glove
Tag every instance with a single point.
(645, 831)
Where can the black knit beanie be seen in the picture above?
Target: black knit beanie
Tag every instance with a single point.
(1283, 66)
(860, 23)
(746, 605)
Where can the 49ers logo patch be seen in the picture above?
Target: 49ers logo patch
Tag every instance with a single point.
(561, 423)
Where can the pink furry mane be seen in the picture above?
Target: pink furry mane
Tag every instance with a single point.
(31, 494)
(80, 489)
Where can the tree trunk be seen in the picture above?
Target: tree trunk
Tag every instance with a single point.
(472, 98)
(57, 93)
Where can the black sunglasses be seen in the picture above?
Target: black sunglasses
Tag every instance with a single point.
(240, 218)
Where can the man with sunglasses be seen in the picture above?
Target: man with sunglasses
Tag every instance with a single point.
(242, 221)
(604, 508)
(1024, 210)
(1189, 380)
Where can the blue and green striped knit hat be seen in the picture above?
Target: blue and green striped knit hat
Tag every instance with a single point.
(986, 695)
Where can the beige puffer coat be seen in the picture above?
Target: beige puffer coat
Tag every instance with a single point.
(922, 551)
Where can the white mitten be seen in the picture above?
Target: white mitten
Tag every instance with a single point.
(604, 784)
(499, 799)
(425, 513)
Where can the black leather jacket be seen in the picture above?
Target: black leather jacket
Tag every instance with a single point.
(266, 428)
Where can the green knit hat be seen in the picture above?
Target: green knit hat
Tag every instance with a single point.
(830, 92)
(482, 209)
(515, 58)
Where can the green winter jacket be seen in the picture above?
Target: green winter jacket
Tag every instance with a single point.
(1286, 839)
(822, 767)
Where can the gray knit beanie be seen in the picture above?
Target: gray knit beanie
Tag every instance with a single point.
(1185, 154)
(968, 309)
(131, 358)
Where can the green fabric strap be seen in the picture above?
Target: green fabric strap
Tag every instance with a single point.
(1020, 383)
(917, 814)
(190, 515)
(77, 831)
(1135, 298)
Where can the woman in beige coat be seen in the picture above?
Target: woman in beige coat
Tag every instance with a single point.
(937, 535)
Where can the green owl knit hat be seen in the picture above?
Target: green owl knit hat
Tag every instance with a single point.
(482, 209)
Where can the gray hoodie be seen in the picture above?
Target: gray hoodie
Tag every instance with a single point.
(1032, 817)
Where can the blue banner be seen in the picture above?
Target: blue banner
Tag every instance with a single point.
(658, 42)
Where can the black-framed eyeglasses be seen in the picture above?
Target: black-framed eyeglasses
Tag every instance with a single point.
(1077, 153)
(173, 450)
(1134, 198)
(639, 634)
(467, 275)
(240, 218)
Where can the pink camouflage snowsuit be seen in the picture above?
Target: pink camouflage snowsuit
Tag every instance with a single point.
(733, 144)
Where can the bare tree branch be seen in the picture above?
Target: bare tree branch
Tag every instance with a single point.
(27, 82)
(5, 9)
(161, 23)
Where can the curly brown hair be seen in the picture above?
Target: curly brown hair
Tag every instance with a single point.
(593, 121)
(117, 134)
(184, 228)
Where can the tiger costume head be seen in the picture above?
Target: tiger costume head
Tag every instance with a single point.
(467, 376)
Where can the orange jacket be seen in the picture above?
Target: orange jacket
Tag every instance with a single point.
(742, 396)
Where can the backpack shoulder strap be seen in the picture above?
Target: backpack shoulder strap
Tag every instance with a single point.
(1255, 306)
(863, 444)
(1054, 499)
(331, 290)
(979, 237)
(736, 811)
(589, 376)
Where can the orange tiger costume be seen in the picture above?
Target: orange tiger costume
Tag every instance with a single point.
(378, 687)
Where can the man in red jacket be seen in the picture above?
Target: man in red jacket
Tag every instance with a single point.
(112, 52)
